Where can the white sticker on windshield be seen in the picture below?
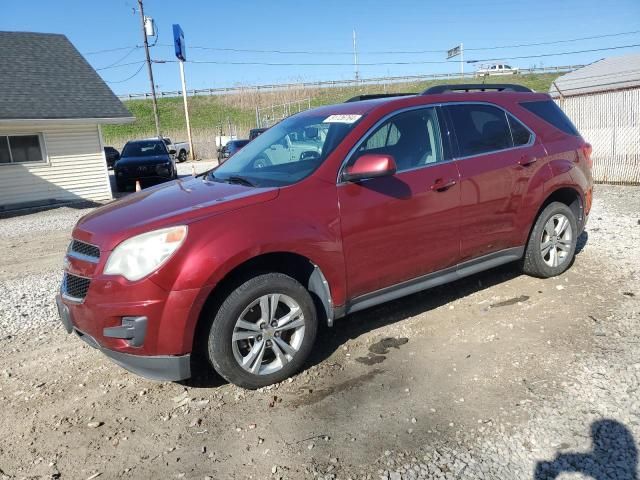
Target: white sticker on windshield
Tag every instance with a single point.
(342, 118)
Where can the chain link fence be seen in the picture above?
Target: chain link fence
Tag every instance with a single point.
(610, 122)
(267, 116)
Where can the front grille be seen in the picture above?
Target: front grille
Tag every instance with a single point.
(74, 286)
(84, 249)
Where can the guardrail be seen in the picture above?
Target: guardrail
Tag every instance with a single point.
(337, 83)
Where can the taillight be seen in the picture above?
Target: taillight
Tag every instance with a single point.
(586, 150)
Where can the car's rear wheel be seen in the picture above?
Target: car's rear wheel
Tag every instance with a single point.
(552, 243)
(263, 332)
(182, 156)
(121, 186)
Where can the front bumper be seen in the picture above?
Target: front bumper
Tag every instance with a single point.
(150, 174)
(154, 367)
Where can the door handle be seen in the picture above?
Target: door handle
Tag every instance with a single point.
(526, 160)
(441, 186)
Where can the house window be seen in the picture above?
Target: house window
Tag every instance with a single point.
(20, 149)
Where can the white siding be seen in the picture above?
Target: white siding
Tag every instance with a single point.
(610, 121)
(74, 169)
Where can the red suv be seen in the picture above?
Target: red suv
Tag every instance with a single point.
(389, 196)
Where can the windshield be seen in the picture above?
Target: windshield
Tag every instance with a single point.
(144, 149)
(288, 151)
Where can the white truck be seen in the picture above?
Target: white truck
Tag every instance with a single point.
(496, 69)
(181, 148)
(295, 146)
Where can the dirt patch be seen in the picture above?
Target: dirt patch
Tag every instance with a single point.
(454, 363)
(315, 396)
(511, 301)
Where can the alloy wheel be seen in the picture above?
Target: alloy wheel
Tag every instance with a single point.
(555, 244)
(268, 334)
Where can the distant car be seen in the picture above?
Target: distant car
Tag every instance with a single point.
(256, 132)
(112, 156)
(496, 69)
(149, 161)
(231, 148)
(182, 148)
(305, 144)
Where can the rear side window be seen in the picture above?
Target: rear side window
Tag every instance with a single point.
(480, 128)
(521, 135)
(551, 113)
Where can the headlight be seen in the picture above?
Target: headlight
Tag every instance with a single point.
(138, 256)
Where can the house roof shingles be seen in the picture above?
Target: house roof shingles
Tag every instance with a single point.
(43, 76)
(613, 73)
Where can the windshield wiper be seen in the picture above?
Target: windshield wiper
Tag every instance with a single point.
(239, 180)
(206, 172)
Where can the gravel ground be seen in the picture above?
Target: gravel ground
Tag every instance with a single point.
(498, 376)
(63, 218)
(591, 427)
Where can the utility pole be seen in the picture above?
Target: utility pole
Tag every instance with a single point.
(355, 57)
(149, 69)
(192, 153)
(462, 59)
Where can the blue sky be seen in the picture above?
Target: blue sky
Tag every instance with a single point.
(321, 26)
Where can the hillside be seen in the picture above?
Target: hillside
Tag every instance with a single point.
(236, 112)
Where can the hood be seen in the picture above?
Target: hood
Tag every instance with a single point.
(174, 203)
(137, 161)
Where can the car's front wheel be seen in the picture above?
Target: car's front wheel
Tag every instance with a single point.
(552, 243)
(263, 332)
(182, 156)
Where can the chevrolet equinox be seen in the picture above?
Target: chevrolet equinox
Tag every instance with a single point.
(330, 211)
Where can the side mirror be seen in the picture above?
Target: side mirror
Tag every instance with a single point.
(172, 151)
(370, 165)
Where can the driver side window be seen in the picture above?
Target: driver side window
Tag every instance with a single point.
(412, 138)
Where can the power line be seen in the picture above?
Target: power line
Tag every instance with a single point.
(555, 54)
(97, 52)
(280, 64)
(399, 52)
(120, 65)
(555, 41)
(128, 78)
(292, 64)
(120, 59)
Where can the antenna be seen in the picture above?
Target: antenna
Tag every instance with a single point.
(355, 57)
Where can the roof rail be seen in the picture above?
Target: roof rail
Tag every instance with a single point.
(482, 87)
(373, 96)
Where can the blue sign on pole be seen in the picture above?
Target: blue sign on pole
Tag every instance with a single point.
(178, 42)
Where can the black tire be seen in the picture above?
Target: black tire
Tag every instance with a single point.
(121, 186)
(182, 156)
(533, 262)
(220, 344)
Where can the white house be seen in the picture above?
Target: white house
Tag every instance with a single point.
(603, 100)
(52, 105)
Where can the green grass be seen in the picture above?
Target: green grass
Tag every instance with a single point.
(208, 112)
(205, 113)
